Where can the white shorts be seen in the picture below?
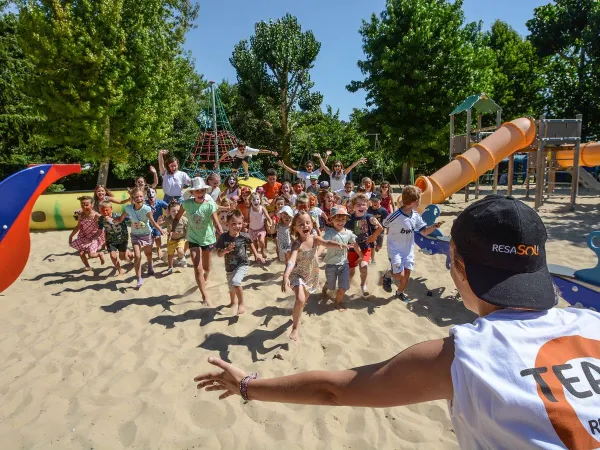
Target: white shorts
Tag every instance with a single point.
(400, 262)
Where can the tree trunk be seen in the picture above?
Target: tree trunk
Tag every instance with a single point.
(405, 179)
(285, 130)
(105, 164)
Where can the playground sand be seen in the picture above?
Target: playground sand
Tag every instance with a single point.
(88, 362)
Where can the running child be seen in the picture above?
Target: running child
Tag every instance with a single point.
(387, 199)
(214, 181)
(272, 188)
(298, 188)
(116, 236)
(142, 222)
(174, 180)
(244, 204)
(242, 154)
(278, 203)
(401, 226)
(225, 203)
(284, 240)
(176, 241)
(305, 175)
(101, 194)
(158, 208)
(380, 213)
(140, 182)
(232, 187)
(90, 239)
(287, 193)
(202, 218)
(259, 217)
(368, 186)
(302, 268)
(337, 269)
(337, 176)
(347, 193)
(316, 213)
(313, 187)
(366, 228)
(234, 245)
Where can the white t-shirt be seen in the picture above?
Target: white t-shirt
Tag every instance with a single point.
(173, 183)
(401, 239)
(250, 152)
(215, 193)
(345, 195)
(337, 184)
(306, 175)
(527, 380)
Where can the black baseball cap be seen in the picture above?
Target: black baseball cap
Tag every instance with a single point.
(502, 242)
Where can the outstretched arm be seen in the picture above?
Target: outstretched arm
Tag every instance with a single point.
(428, 230)
(323, 167)
(280, 163)
(154, 177)
(419, 374)
(268, 152)
(161, 161)
(354, 164)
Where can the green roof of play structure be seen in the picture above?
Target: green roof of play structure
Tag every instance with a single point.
(481, 102)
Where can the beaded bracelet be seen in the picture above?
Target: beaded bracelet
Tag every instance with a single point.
(244, 385)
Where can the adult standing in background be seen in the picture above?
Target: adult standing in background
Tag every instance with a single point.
(241, 156)
(174, 179)
(337, 176)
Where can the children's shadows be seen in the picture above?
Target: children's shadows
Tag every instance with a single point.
(439, 309)
(166, 301)
(254, 341)
(263, 279)
(205, 315)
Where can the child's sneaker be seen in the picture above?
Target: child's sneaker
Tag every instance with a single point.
(402, 296)
(182, 262)
(386, 282)
(169, 271)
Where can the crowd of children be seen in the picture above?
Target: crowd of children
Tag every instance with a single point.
(302, 219)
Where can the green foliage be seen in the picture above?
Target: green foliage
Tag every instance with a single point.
(566, 32)
(421, 60)
(110, 74)
(517, 72)
(273, 73)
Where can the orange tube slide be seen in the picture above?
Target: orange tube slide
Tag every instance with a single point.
(589, 155)
(510, 137)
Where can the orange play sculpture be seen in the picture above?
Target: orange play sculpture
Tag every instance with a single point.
(589, 155)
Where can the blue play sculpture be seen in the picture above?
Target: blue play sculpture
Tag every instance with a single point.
(591, 275)
(435, 243)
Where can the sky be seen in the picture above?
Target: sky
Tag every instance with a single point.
(335, 23)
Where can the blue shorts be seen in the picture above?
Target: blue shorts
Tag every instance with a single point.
(168, 199)
(156, 233)
(339, 275)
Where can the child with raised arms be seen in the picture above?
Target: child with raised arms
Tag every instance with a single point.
(366, 228)
(242, 154)
(337, 269)
(176, 242)
(90, 239)
(337, 176)
(202, 219)
(401, 226)
(234, 245)
(302, 268)
(141, 218)
(116, 236)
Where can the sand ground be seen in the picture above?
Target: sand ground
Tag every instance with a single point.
(88, 362)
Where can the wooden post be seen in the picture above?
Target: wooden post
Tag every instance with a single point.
(451, 137)
(467, 147)
(496, 167)
(575, 168)
(551, 173)
(511, 173)
(527, 175)
(539, 167)
(477, 180)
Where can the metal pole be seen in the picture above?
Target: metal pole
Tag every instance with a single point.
(214, 114)
(539, 171)
(511, 174)
(575, 168)
(479, 115)
(551, 173)
(467, 147)
(451, 137)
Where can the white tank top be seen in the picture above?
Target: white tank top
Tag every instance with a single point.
(257, 219)
(525, 380)
(337, 183)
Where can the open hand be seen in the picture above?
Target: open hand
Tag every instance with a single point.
(227, 379)
(260, 259)
(317, 155)
(229, 248)
(362, 161)
(328, 152)
(285, 284)
(274, 153)
(163, 152)
(152, 169)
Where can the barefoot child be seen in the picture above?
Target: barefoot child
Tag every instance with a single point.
(158, 208)
(302, 268)
(176, 241)
(116, 236)
(258, 217)
(234, 245)
(366, 228)
(337, 270)
(284, 240)
(202, 217)
(90, 238)
(141, 234)
(401, 226)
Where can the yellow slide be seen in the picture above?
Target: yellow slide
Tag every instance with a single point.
(482, 157)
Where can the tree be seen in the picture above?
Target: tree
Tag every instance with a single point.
(107, 73)
(517, 72)
(566, 32)
(17, 140)
(273, 70)
(420, 62)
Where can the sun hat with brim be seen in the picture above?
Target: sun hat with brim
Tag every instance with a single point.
(313, 177)
(339, 211)
(286, 209)
(196, 185)
(502, 242)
